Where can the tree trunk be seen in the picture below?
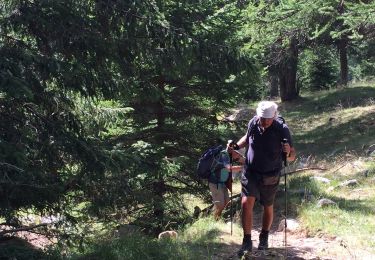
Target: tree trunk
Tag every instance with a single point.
(159, 187)
(288, 73)
(343, 49)
(274, 82)
(343, 52)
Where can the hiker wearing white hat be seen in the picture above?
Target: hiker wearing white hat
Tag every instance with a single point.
(267, 109)
(265, 150)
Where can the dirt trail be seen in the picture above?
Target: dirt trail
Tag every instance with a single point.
(300, 244)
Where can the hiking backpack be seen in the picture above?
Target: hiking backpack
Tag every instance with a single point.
(208, 162)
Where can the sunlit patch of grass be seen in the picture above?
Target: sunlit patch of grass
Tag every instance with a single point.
(208, 236)
(351, 218)
(137, 247)
(204, 230)
(191, 201)
(200, 240)
(332, 122)
(354, 226)
(371, 167)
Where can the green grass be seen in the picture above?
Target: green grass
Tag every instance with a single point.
(201, 240)
(332, 122)
(354, 224)
(351, 219)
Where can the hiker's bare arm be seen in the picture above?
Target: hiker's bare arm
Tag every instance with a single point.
(292, 154)
(235, 154)
(235, 168)
(242, 142)
(237, 145)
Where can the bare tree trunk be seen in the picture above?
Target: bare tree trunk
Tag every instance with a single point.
(288, 73)
(343, 53)
(274, 83)
(342, 46)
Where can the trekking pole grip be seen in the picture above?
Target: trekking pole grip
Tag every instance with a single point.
(285, 141)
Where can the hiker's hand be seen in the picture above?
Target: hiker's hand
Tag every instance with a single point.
(237, 157)
(286, 148)
(232, 145)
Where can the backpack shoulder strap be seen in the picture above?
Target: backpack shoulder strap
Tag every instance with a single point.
(280, 124)
(217, 161)
(218, 164)
(251, 127)
(280, 119)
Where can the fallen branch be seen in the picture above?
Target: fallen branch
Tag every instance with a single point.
(11, 166)
(304, 169)
(22, 229)
(342, 166)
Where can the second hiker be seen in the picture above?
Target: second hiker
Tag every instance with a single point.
(218, 181)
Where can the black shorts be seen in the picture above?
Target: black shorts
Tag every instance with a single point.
(263, 188)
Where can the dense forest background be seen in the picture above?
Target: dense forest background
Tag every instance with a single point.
(106, 105)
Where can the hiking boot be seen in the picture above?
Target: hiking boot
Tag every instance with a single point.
(263, 241)
(246, 247)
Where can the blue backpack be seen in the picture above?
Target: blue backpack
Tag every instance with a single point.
(207, 163)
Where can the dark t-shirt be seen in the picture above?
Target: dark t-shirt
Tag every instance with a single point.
(264, 153)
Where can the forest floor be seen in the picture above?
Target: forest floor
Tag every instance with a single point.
(301, 245)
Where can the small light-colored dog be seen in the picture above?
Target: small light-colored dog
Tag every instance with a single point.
(168, 234)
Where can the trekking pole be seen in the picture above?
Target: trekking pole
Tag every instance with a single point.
(231, 199)
(231, 181)
(286, 200)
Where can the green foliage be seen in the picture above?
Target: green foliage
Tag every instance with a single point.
(362, 62)
(318, 69)
(105, 107)
(273, 29)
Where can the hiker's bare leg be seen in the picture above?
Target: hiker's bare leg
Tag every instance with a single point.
(219, 207)
(226, 203)
(218, 210)
(267, 217)
(247, 214)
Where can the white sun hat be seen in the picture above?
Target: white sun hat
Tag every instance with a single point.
(267, 109)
